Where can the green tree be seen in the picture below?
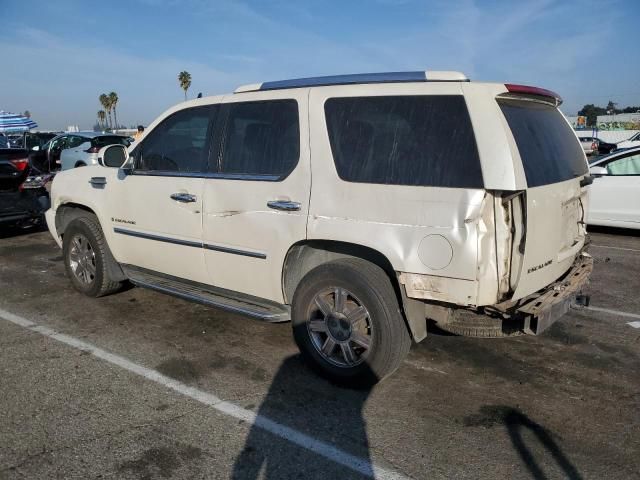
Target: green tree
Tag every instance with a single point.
(184, 79)
(105, 102)
(101, 117)
(592, 111)
(611, 107)
(113, 101)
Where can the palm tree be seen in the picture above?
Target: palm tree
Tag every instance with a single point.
(184, 78)
(113, 100)
(104, 101)
(101, 117)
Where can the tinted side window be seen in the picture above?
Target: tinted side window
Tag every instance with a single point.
(261, 138)
(105, 140)
(404, 140)
(75, 141)
(546, 142)
(179, 143)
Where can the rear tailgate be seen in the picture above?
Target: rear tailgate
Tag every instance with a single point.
(554, 165)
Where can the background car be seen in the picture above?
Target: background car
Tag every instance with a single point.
(634, 141)
(23, 195)
(597, 146)
(615, 192)
(81, 148)
(588, 145)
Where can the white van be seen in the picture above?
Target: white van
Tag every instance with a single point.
(359, 207)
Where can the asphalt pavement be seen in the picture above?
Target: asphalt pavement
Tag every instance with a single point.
(141, 385)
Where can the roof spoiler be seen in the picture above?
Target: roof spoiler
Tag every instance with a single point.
(526, 90)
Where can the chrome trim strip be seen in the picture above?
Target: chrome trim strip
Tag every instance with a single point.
(234, 251)
(188, 243)
(148, 236)
(214, 175)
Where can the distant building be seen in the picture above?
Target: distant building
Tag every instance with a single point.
(619, 121)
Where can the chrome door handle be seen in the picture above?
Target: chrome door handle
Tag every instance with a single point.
(286, 205)
(183, 197)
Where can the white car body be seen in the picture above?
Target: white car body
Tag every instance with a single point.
(615, 192)
(630, 143)
(257, 236)
(588, 145)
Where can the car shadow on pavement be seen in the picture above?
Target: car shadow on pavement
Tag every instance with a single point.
(516, 424)
(322, 412)
(9, 231)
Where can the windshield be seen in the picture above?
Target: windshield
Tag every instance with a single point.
(548, 147)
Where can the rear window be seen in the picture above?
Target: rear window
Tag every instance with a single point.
(105, 140)
(547, 144)
(415, 140)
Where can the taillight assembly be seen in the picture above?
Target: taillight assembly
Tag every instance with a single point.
(93, 150)
(36, 181)
(539, 92)
(21, 164)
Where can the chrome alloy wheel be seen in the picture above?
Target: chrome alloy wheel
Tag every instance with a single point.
(339, 327)
(82, 259)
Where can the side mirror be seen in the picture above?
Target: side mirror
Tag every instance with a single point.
(598, 171)
(113, 156)
(36, 148)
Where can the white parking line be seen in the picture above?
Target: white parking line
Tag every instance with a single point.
(318, 447)
(615, 248)
(613, 312)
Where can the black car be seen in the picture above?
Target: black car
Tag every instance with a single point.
(604, 148)
(23, 190)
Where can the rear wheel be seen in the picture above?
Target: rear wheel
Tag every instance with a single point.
(347, 322)
(86, 258)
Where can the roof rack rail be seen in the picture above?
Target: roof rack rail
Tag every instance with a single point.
(383, 77)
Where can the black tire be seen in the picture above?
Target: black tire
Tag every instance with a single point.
(469, 324)
(101, 283)
(390, 340)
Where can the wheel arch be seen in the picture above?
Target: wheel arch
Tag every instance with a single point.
(68, 212)
(304, 256)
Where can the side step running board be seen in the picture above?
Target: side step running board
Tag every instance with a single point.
(206, 294)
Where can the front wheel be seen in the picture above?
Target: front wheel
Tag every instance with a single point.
(347, 322)
(86, 257)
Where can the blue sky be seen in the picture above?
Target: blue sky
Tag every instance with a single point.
(59, 56)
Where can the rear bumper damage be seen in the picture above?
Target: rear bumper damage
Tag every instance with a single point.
(539, 311)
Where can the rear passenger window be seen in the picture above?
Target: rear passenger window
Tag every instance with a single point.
(261, 138)
(404, 140)
(547, 144)
(178, 144)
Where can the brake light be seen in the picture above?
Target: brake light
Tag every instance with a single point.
(21, 164)
(528, 90)
(93, 150)
(594, 146)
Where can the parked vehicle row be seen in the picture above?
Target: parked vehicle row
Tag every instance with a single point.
(615, 192)
(72, 150)
(595, 146)
(23, 194)
(432, 197)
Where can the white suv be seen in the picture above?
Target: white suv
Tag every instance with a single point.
(359, 207)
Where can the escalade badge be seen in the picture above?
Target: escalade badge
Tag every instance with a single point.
(120, 220)
(538, 267)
